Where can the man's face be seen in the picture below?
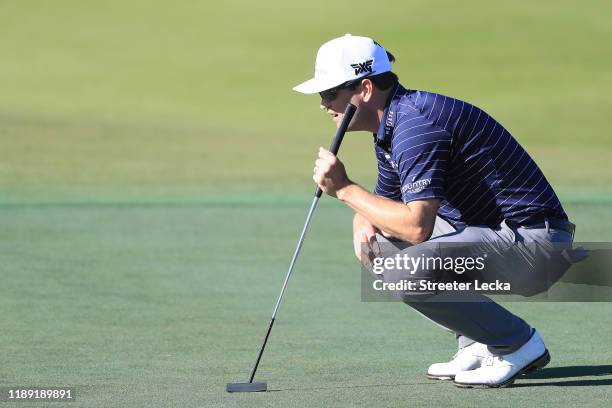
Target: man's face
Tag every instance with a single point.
(336, 104)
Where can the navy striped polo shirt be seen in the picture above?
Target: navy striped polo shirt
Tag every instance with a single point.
(433, 146)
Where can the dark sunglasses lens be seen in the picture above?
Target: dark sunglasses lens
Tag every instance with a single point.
(329, 95)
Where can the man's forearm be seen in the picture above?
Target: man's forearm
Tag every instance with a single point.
(393, 217)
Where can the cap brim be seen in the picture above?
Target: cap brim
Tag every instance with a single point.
(315, 85)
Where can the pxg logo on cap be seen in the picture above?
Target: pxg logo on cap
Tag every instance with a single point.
(363, 67)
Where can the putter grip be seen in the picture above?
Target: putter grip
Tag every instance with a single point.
(335, 146)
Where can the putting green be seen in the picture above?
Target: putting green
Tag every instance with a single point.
(162, 305)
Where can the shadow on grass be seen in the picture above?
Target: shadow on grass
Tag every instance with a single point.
(569, 371)
(572, 383)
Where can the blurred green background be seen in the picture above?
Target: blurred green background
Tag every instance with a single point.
(155, 170)
(150, 99)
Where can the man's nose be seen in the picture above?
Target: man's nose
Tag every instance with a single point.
(324, 104)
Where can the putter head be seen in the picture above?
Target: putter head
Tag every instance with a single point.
(246, 387)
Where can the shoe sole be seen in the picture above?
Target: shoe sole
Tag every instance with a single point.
(536, 364)
(440, 377)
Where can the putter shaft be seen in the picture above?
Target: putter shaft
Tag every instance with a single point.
(335, 146)
(298, 248)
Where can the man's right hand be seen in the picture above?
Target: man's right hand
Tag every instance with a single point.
(364, 239)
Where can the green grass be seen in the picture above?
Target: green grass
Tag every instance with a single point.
(155, 173)
(162, 305)
(540, 67)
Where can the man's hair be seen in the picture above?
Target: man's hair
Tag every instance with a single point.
(383, 81)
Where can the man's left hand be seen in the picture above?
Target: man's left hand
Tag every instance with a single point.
(329, 173)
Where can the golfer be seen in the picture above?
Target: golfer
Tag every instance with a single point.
(447, 172)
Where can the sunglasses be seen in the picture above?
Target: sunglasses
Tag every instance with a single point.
(331, 94)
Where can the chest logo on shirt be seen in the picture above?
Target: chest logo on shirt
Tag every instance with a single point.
(415, 186)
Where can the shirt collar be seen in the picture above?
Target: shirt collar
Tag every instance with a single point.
(385, 131)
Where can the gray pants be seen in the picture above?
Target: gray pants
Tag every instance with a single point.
(474, 316)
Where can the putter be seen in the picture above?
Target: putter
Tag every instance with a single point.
(335, 146)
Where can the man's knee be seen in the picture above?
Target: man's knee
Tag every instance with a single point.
(412, 278)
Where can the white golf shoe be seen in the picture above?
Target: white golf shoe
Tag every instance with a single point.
(501, 371)
(467, 358)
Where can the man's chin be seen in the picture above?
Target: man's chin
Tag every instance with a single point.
(338, 120)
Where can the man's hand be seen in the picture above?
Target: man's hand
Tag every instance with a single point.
(364, 238)
(329, 173)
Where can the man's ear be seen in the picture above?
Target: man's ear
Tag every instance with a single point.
(367, 88)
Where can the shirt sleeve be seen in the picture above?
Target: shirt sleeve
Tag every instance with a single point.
(421, 151)
(388, 183)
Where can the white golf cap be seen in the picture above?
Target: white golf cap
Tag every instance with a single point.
(344, 59)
